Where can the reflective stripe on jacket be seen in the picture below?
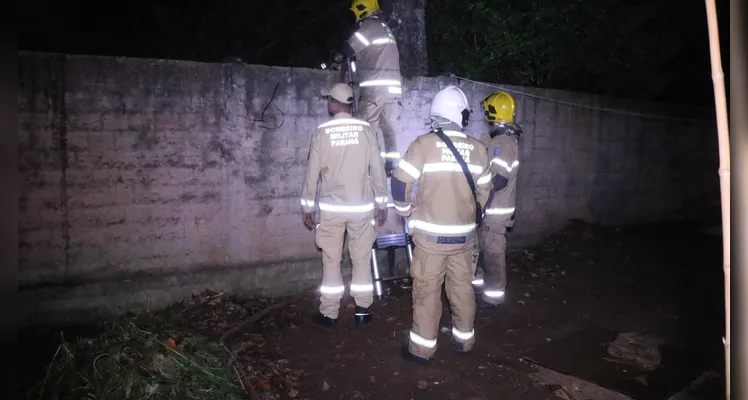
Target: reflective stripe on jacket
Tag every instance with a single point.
(445, 204)
(503, 151)
(377, 58)
(345, 153)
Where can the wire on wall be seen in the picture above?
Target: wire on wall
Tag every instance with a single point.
(264, 110)
(579, 105)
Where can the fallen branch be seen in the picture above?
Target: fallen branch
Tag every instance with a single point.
(261, 314)
(248, 387)
(249, 390)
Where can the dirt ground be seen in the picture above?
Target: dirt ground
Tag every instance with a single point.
(665, 279)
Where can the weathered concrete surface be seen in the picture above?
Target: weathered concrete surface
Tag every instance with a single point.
(188, 173)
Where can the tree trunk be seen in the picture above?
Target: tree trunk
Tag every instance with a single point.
(407, 19)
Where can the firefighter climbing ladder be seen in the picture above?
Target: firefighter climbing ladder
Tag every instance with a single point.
(389, 243)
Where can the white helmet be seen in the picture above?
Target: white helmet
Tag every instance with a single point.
(451, 103)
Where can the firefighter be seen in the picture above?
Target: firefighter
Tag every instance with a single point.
(442, 220)
(377, 63)
(345, 153)
(502, 143)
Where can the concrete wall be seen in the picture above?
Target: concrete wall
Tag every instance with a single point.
(145, 180)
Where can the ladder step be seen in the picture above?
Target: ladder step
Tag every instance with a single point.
(394, 240)
(395, 278)
(390, 243)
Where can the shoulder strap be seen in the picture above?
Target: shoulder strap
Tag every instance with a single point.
(465, 170)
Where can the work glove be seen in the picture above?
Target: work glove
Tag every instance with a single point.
(380, 215)
(309, 220)
(509, 224)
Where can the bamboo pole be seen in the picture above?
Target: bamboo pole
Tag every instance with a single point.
(720, 104)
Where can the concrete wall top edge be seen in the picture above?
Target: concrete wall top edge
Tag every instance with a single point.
(597, 101)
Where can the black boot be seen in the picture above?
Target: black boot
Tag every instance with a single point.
(408, 356)
(388, 168)
(363, 317)
(325, 321)
(459, 347)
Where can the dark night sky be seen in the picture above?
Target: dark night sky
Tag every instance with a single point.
(302, 33)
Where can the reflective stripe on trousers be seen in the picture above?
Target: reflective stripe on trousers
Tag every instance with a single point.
(430, 271)
(492, 240)
(329, 236)
(462, 336)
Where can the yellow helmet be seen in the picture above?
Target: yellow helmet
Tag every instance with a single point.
(364, 8)
(500, 107)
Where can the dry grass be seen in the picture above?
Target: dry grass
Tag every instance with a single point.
(127, 362)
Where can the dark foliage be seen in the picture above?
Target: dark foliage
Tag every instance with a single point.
(642, 49)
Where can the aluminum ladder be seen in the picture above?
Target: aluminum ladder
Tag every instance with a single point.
(390, 243)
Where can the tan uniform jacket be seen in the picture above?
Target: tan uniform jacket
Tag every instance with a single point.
(377, 58)
(504, 154)
(445, 205)
(345, 152)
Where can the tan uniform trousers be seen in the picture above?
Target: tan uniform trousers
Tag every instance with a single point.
(383, 112)
(429, 271)
(329, 237)
(492, 239)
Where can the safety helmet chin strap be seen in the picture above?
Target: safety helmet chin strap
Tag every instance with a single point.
(372, 15)
(505, 129)
(440, 122)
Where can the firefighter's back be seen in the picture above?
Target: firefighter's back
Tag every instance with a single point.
(380, 60)
(346, 144)
(445, 204)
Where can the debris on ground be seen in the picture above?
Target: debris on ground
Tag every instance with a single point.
(636, 350)
(624, 280)
(568, 387)
(128, 362)
(175, 353)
